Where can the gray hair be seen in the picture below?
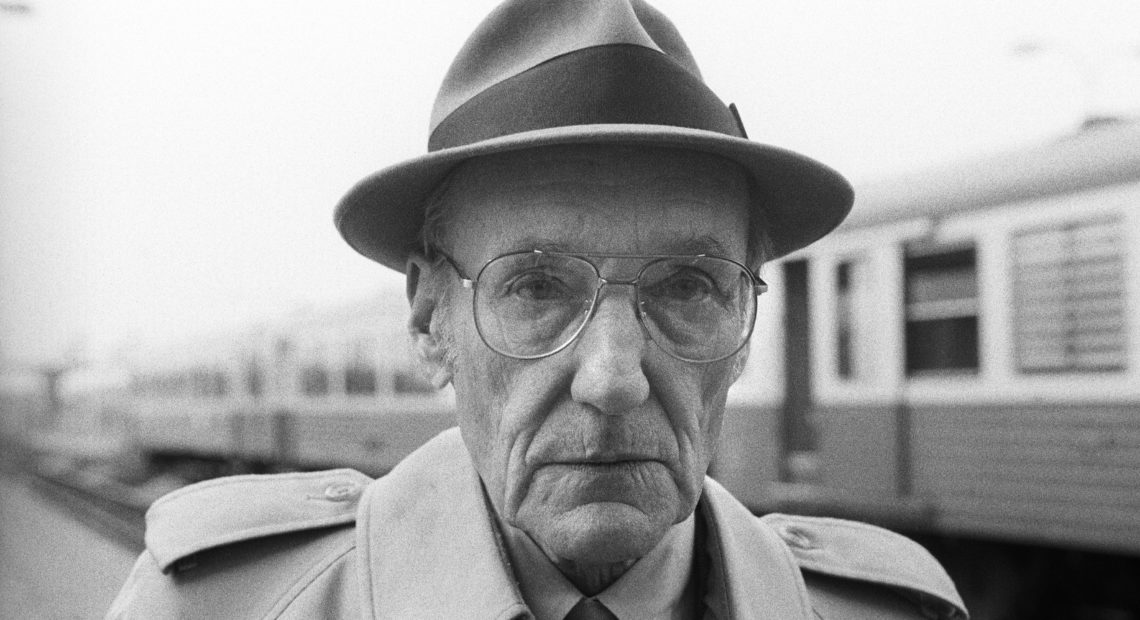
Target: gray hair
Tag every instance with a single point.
(437, 213)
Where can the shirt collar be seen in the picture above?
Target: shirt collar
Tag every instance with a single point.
(657, 585)
(654, 587)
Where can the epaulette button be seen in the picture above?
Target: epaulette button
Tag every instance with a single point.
(795, 537)
(342, 491)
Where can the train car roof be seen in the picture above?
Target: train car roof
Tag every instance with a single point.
(1104, 152)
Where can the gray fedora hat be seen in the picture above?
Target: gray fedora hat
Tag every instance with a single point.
(555, 72)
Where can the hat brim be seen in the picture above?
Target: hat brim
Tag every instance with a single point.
(802, 199)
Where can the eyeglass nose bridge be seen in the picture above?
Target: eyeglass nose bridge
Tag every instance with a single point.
(596, 301)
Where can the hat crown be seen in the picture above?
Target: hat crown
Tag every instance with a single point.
(522, 34)
(540, 73)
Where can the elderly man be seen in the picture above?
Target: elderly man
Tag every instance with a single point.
(581, 245)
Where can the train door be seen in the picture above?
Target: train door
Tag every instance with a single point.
(799, 459)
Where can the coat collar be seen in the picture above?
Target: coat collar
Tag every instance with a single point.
(428, 548)
(752, 573)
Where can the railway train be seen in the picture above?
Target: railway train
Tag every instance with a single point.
(963, 352)
(319, 388)
(959, 360)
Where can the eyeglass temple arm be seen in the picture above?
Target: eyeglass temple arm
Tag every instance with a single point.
(464, 280)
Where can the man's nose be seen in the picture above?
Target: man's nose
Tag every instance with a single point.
(610, 353)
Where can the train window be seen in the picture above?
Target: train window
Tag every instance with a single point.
(844, 353)
(359, 379)
(1069, 297)
(203, 383)
(282, 348)
(941, 310)
(799, 441)
(254, 379)
(219, 384)
(206, 383)
(315, 381)
(410, 382)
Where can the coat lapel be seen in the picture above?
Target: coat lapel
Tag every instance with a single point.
(751, 573)
(428, 547)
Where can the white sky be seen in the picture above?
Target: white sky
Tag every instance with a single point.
(171, 167)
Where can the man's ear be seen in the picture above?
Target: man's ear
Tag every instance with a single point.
(424, 291)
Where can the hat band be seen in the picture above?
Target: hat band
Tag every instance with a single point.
(609, 84)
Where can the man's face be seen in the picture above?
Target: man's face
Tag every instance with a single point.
(597, 450)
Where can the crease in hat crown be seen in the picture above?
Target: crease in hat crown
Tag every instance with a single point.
(539, 73)
(518, 36)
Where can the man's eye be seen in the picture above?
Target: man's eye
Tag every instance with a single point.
(687, 287)
(537, 287)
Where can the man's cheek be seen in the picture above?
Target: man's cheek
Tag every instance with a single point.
(713, 383)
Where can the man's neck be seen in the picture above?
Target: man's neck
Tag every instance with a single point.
(591, 579)
(654, 586)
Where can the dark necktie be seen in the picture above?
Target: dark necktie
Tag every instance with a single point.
(590, 609)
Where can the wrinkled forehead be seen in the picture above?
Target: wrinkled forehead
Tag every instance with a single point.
(601, 199)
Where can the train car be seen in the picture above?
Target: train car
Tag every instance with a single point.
(92, 410)
(187, 396)
(358, 398)
(24, 403)
(326, 387)
(73, 410)
(962, 357)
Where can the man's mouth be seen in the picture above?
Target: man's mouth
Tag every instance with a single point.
(614, 466)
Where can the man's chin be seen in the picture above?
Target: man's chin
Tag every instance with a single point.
(602, 533)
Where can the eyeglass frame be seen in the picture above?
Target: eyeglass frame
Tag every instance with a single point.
(759, 287)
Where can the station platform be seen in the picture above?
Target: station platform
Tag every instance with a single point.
(52, 567)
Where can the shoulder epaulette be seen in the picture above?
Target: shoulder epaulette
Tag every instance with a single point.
(862, 552)
(235, 509)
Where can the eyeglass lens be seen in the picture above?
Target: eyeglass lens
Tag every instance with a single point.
(531, 304)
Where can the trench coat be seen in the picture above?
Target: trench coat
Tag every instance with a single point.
(420, 542)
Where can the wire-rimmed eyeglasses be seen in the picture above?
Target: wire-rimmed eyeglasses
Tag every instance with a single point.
(533, 303)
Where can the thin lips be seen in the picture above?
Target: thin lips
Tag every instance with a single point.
(607, 459)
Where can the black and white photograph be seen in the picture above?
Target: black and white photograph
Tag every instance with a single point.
(570, 310)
